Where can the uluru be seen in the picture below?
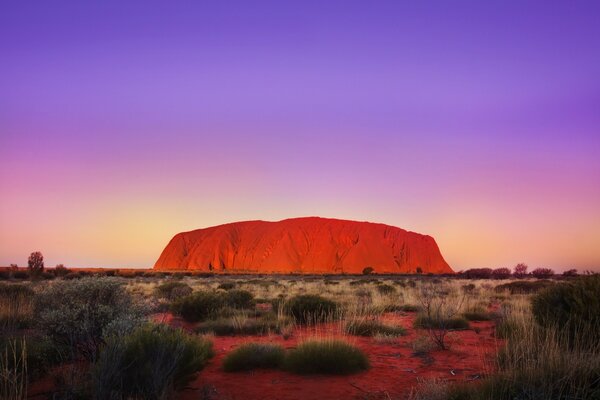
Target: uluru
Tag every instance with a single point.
(310, 245)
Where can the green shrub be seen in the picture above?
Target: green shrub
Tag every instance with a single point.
(199, 306)
(81, 313)
(251, 356)
(41, 354)
(385, 289)
(455, 323)
(309, 308)
(237, 298)
(326, 357)
(150, 363)
(372, 328)
(572, 307)
(173, 290)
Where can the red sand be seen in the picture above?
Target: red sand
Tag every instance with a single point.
(393, 374)
(303, 245)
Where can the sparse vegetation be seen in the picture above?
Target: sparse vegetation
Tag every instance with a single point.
(199, 306)
(308, 308)
(371, 327)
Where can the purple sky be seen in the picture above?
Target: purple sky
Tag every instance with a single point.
(122, 123)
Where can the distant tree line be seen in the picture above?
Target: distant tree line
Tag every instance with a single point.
(519, 271)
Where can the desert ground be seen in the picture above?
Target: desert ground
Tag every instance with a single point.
(75, 334)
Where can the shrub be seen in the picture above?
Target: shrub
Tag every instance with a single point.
(367, 270)
(501, 273)
(81, 313)
(199, 306)
(478, 273)
(251, 356)
(150, 363)
(326, 357)
(60, 270)
(173, 290)
(542, 273)
(19, 274)
(4, 275)
(386, 289)
(409, 308)
(372, 328)
(454, 323)
(570, 273)
(572, 307)
(477, 314)
(523, 287)
(226, 285)
(237, 298)
(309, 308)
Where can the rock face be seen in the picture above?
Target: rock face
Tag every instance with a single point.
(302, 245)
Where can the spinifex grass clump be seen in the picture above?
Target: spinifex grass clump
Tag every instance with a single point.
(199, 306)
(150, 363)
(253, 356)
(173, 290)
(372, 327)
(453, 323)
(327, 356)
(240, 325)
(309, 308)
(16, 307)
(574, 308)
(524, 287)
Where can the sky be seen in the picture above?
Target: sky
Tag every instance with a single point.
(123, 123)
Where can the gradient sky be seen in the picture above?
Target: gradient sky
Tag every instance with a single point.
(123, 123)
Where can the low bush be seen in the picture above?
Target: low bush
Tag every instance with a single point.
(237, 298)
(573, 307)
(385, 289)
(326, 357)
(454, 323)
(199, 306)
(523, 287)
(150, 363)
(310, 308)
(372, 328)
(226, 285)
(409, 308)
(173, 290)
(253, 356)
(79, 314)
(477, 314)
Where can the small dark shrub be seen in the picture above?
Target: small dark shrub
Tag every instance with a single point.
(501, 273)
(60, 270)
(478, 273)
(326, 357)
(20, 274)
(372, 328)
(251, 356)
(542, 273)
(455, 323)
(468, 288)
(570, 273)
(309, 308)
(520, 270)
(523, 287)
(4, 275)
(199, 306)
(386, 290)
(150, 363)
(228, 327)
(477, 315)
(237, 298)
(573, 307)
(409, 308)
(173, 290)
(367, 270)
(226, 285)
